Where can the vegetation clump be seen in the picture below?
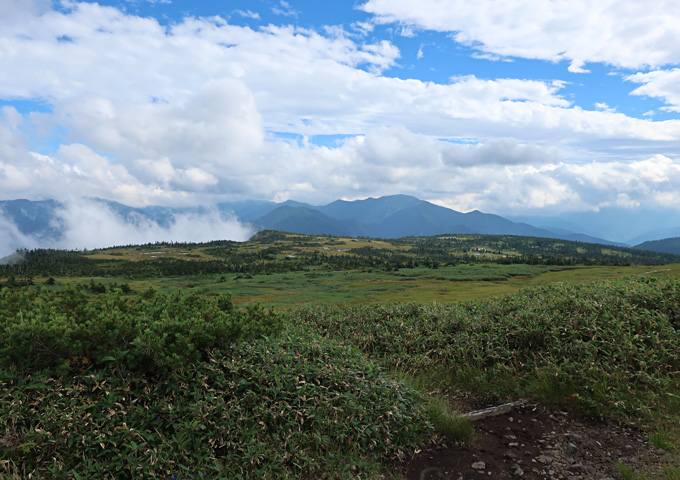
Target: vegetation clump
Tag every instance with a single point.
(159, 386)
(152, 333)
(114, 379)
(611, 348)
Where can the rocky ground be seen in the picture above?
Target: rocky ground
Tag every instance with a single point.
(532, 442)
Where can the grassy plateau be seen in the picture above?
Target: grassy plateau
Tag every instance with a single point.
(318, 357)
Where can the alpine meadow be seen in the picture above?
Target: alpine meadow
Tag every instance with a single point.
(295, 356)
(347, 239)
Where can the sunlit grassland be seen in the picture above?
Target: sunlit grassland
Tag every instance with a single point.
(391, 328)
(442, 285)
(138, 254)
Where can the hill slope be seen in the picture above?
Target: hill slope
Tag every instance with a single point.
(667, 245)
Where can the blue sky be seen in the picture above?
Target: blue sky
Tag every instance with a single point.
(522, 107)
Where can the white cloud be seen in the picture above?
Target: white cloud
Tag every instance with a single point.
(300, 81)
(363, 28)
(12, 144)
(90, 224)
(603, 107)
(185, 114)
(12, 239)
(284, 9)
(663, 84)
(248, 14)
(617, 32)
(218, 127)
(491, 57)
(13, 11)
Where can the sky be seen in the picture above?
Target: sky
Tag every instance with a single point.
(519, 107)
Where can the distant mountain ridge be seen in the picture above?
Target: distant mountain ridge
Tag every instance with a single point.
(667, 245)
(392, 216)
(386, 217)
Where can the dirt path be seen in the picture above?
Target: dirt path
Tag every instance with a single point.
(532, 442)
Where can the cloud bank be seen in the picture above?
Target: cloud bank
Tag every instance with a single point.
(202, 110)
(88, 224)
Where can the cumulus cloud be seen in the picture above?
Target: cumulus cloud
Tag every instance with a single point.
(13, 11)
(617, 32)
(219, 126)
(663, 84)
(193, 112)
(299, 81)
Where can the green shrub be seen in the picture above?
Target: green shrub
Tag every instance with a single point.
(285, 406)
(611, 348)
(154, 334)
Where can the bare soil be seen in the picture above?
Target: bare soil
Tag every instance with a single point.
(533, 442)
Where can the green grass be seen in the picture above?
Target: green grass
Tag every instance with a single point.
(612, 348)
(663, 438)
(671, 473)
(665, 473)
(448, 424)
(445, 284)
(628, 473)
(352, 372)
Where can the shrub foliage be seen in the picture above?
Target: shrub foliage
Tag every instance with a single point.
(153, 333)
(610, 347)
(185, 387)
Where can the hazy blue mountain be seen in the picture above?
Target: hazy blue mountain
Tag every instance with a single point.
(392, 217)
(37, 219)
(657, 234)
(371, 210)
(666, 245)
(302, 220)
(388, 217)
(248, 210)
(622, 225)
(582, 237)
(421, 219)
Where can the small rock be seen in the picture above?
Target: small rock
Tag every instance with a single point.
(479, 465)
(571, 448)
(510, 455)
(574, 437)
(513, 444)
(576, 468)
(545, 459)
(518, 472)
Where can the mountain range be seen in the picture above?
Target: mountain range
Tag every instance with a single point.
(384, 217)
